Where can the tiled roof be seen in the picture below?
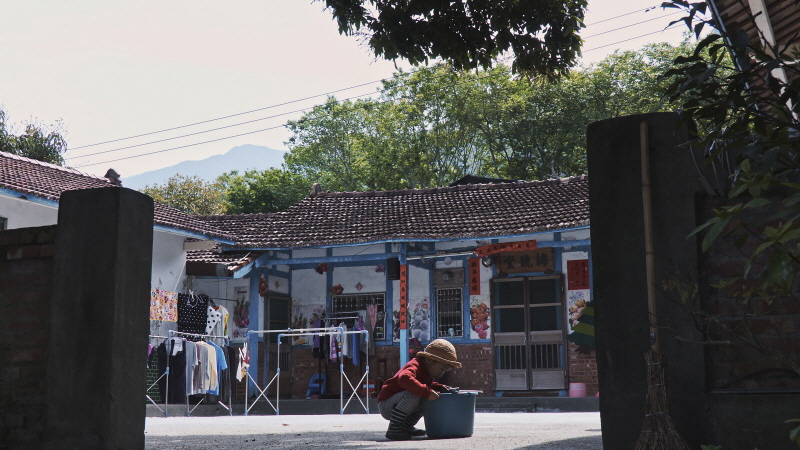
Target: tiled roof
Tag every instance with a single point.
(456, 212)
(214, 262)
(48, 181)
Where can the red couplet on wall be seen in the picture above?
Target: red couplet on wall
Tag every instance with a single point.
(578, 274)
(474, 276)
(403, 296)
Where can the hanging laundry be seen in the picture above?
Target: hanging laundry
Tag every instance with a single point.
(192, 313)
(217, 323)
(345, 347)
(176, 374)
(317, 324)
(372, 315)
(220, 365)
(191, 364)
(333, 350)
(163, 305)
(244, 363)
(355, 352)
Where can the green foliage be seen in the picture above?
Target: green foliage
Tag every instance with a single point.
(794, 435)
(542, 34)
(746, 119)
(262, 191)
(191, 195)
(437, 124)
(37, 141)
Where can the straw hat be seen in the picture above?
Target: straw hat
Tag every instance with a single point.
(442, 351)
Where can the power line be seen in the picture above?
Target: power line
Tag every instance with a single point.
(630, 25)
(306, 98)
(630, 39)
(292, 112)
(177, 148)
(238, 135)
(649, 8)
(225, 117)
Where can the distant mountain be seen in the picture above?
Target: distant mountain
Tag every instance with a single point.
(241, 158)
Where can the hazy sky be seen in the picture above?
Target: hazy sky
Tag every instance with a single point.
(112, 70)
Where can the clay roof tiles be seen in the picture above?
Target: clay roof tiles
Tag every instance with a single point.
(456, 212)
(31, 177)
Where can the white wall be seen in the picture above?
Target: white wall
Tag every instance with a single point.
(169, 259)
(366, 276)
(24, 213)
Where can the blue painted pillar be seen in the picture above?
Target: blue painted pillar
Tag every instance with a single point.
(252, 345)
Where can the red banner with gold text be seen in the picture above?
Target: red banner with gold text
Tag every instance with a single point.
(403, 296)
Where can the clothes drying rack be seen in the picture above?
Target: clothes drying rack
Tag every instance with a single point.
(189, 412)
(339, 333)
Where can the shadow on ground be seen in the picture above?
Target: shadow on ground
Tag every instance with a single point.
(361, 440)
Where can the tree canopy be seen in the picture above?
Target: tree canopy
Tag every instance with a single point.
(191, 195)
(432, 126)
(36, 141)
(437, 124)
(541, 34)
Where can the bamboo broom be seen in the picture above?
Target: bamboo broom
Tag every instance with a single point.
(658, 431)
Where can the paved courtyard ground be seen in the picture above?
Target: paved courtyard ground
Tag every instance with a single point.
(534, 431)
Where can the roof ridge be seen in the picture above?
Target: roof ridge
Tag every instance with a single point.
(50, 165)
(443, 189)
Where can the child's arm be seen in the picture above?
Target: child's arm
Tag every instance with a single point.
(441, 387)
(409, 382)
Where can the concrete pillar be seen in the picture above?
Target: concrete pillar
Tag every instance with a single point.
(620, 283)
(97, 349)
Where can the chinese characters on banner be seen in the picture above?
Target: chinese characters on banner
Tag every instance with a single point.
(540, 260)
(578, 274)
(474, 276)
(403, 296)
(486, 250)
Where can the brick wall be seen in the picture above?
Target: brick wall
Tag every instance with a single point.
(476, 373)
(26, 274)
(763, 337)
(583, 367)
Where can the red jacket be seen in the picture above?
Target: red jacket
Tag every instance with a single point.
(414, 378)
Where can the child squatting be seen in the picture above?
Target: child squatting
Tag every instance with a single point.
(404, 397)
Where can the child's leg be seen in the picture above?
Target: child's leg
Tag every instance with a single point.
(404, 400)
(403, 410)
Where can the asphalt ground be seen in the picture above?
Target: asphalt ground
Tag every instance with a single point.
(534, 431)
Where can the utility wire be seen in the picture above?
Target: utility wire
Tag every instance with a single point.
(251, 132)
(630, 39)
(306, 98)
(649, 8)
(226, 117)
(291, 112)
(630, 25)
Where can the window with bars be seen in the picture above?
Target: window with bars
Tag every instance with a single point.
(449, 312)
(273, 360)
(359, 302)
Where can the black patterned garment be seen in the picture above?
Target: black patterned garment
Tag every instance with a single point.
(192, 313)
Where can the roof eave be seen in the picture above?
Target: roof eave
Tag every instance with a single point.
(193, 234)
(411, 240)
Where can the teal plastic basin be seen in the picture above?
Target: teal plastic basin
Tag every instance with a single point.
(451, 415)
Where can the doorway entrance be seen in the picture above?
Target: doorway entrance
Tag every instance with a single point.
(529, 339)
(277, 312)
